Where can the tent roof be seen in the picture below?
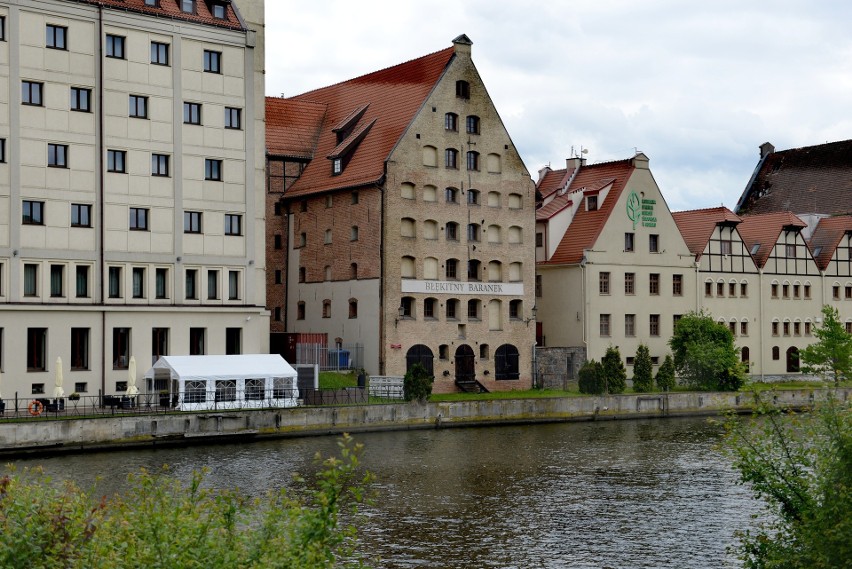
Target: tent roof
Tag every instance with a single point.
(224, 367)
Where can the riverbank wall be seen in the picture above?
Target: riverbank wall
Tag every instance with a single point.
(178, 429)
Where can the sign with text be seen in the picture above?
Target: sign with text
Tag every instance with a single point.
(455, 287)
(641, 211)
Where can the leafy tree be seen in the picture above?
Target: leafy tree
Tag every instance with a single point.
(802, 468)
(704, 354)
(591, 378)
(417, 383)
(161, 523)
(666, 374)
(643, 370)
(614, 373)
(831, 354)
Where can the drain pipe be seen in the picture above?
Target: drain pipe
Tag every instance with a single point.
(100, 204)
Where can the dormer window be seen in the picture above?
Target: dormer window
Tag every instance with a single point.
(462, 89)
(218, 11)
(187, 6)
(154, 3)
(336, 166)
(592, 203)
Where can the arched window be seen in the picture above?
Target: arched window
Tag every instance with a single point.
(473, 232)
(516, 201)
(407, 191)
(430, 193)
(495, 315)
(407, 270)
(494, 234)
(506, 362)
(493, 163)
(515, 235)
(495, 272)
(353, 308)
(300, 310)
(473, 161)
(462, 89)
(473, 267)
(451, 270)
(472, 124)
(430, 308)
(452, 308)
(515, 309)
(484, 352)
(327, 273)
(451, 158)
(515, 272)
(326, 308)
(474, 309)
(430, 268)
(451, 122)
(353, 271)
(430, 156)
(473, 197)
(745, 354)
(430, 229)
(419, 354)
(451, 231)
(776, 353)
(493, 199)
(451, 195)
(407, 304)
(408, 227)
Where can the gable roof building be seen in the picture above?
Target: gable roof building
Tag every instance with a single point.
(404, 207)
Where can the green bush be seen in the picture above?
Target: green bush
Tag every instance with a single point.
(591, 378)
(614, 373)
(417, 383)
(666, 374)
(163, 524)
(643, 370)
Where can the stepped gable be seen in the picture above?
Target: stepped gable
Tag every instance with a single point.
(587, 225)
(764, 230)
(697, 225)
(827, 237)
(171, 9)
(389, 99)
(292, 127)
(813, 179)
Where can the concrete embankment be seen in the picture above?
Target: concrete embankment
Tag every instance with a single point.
(123, 431)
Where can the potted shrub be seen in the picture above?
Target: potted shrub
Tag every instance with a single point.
(74, 397)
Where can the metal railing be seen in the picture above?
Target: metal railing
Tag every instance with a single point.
(331, 358)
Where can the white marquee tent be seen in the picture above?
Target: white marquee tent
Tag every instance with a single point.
(226, 382)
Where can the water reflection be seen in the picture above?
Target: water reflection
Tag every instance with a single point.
(587, 495)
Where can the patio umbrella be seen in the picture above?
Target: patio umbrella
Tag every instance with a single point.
(132, 390)
(58, 391)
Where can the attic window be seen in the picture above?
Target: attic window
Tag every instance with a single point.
(154, 3)
(218, 11)
(187, 6)
(337, 166)
(592, 203)
(817, 251)
(342, 153)
(462, 89)
(755, 248)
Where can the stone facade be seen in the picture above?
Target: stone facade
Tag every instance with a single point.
(558, 368)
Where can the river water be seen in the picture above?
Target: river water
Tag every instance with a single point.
(617, 494)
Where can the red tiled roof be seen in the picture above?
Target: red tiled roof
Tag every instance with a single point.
(697, 225)
(292, 127)
(765, 229)
(587, 225)
(813, 179)
(552, 181)
(171, 9)
(827, 236)
(553, 207)
(394, 96)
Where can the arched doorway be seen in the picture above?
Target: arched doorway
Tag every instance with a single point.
(506, 362)
(464, 363)
(419, 354)
(792, 359)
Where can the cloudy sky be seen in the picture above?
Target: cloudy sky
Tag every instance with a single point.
(697, 86)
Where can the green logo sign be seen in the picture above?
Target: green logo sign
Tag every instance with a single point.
(641, 211)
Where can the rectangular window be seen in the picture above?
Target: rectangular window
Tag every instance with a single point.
(786, 328)
(234, 224)
(159, 53)
(81, 99)
(653, 243)
(57, 37)
(159, 165)
(708, 289)
(743, 328)
(677, 285)
(82, 281)
(233, 285)
(115, 282)
(161, 277)
(774, 290)
(539, 239)
(212, 285)
(604, 325)
(233, 341)
(744, 289)
(2, 150)
(629, 283)
(192, 222)
(775, 328)
(213, 170)
(138, 275)
(117, 161)
(628, 242)
(654, 283)
(218, 11)
(538, 286)
(797, 289)
(807, 289)
(36, 350)
(33, 212)
(115, 46)
(57, 155)
(233, 119)
(835, 292)
(120, 348)
(212, 61)
(807, 328)
(138, 219)
(629, 325)
(30, 279)
(192, 113)
(187, 6)
(725, 246)
(2, 28)
(138, 106)
(57, 281)
(603, 283)
(159, 347)
(31, 93)
(79, 350)
(654, 327)
(196, 341)
(191, 281)
(791, 251)
(81, 215)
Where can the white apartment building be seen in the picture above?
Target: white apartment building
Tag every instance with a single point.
(131, 187)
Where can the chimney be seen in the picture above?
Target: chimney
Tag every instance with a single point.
(462, 45)
(542, 172)
(766, 149)
(575, 162)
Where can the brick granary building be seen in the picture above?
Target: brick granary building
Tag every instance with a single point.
(400, 216)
